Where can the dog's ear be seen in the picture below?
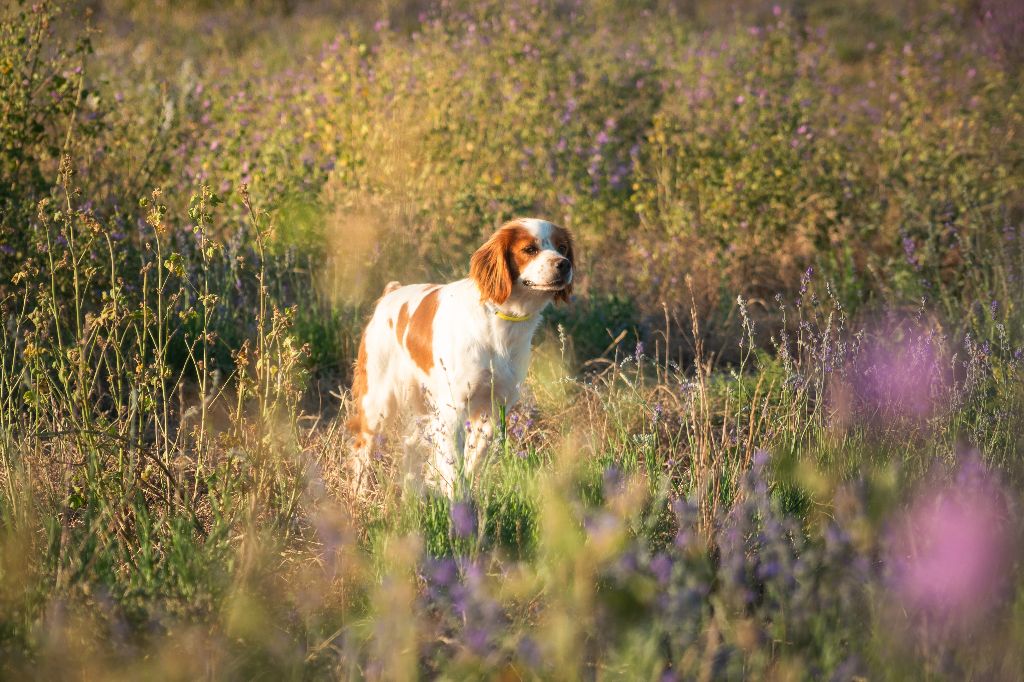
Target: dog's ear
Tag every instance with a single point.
(570, 253)
(489, 267)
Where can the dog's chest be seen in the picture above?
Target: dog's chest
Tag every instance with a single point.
(492, 371)
(501, 375)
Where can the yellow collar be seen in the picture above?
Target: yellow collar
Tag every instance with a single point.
(511, 318)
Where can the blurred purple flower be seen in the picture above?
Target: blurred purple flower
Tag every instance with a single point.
(477, 640)
(910, 251)
(463, 519)
(445, 573)
(612, 480)
(902, 377)
(661, 567)
(529, 652)
(950, 553)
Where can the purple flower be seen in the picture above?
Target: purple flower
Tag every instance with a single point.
(612, 479)
(805, 279)
(445, 573)
(477, 640)
(463, 519)
(900, 376)
(949, 554)
(661, 567)
(529, 652)
(909, 250)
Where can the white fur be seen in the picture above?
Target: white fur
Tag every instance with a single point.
(479, 361)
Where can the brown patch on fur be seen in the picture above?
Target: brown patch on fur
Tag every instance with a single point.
(496, 265)
(357, 420)
(521, 240)
(403, 322)
(420, 340)
(562, 240)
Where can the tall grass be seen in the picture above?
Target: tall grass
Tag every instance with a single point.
(777, 435)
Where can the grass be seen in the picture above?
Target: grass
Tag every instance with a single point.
(775, 435)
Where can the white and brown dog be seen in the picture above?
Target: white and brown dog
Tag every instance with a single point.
(454, 353)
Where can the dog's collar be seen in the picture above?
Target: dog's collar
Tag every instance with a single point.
(511, 318)
(508, 317)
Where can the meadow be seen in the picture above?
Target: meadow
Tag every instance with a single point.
(777, 433)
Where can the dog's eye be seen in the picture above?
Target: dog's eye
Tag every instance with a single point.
(562, 248)
(530, 250)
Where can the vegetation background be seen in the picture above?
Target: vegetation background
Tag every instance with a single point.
(777, 434)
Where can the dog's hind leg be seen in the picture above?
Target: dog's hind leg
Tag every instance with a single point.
(373, 406)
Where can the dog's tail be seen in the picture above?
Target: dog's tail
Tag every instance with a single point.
(357, 420)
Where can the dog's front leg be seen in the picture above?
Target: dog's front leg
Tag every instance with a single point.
(447, 437)
(479, 434)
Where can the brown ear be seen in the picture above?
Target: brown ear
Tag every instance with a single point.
(570, 253)
(489, 268)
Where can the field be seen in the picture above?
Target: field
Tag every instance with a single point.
(777, 433)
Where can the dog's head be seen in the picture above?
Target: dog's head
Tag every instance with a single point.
(525, 254)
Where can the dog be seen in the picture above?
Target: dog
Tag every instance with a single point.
(453, 354)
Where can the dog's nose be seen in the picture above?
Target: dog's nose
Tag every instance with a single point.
(563, 266)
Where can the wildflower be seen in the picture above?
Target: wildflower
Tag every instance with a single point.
(477, 640)
(529, 651)
(463, 519)
(949, 554)
(612, 479)
(909, 250)
(661, 567)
